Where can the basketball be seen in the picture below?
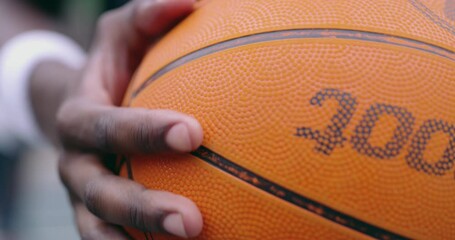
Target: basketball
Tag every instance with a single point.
(322, 119)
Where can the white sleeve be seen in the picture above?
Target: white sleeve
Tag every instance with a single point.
(18, 58)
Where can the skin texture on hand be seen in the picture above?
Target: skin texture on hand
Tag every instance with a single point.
(48, 86)
(92, 127)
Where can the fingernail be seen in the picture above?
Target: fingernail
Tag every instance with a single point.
(173, 224)
(178, 138)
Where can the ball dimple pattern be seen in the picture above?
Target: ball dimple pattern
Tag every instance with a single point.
(307, 114)
(249, 114)
(249, 210)
(226, 19)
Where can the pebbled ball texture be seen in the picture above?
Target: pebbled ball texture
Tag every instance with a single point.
(348, 103)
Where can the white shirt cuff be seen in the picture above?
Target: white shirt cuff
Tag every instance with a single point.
(18, 58)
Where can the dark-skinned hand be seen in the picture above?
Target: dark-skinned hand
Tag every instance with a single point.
(92, 126)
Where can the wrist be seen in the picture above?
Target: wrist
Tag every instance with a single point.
(50, 83)
(30, 54)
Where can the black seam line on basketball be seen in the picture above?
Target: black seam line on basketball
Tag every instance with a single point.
(432, 16)
(300, 34)
(292, 197)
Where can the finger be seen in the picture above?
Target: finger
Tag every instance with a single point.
(127, 130)
(125, 34)
(154, 17)
(142, 19)
(91, 227)
(127, 203)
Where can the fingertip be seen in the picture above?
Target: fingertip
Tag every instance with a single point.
(173, 224)
(187, 226)
(193, 223)
(153, 15)
(184, 137)
(191, 216)
(178, 138)
(177, 8)
(196, 133)
(183, 219)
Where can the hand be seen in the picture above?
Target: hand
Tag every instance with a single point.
(92, 127)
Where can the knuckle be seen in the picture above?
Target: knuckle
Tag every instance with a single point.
(142, 218)
(92, 198)
(141, 137)
(147, 137)
(136, 217)
(105, 132)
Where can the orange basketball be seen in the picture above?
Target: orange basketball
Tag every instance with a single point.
(322, 119)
